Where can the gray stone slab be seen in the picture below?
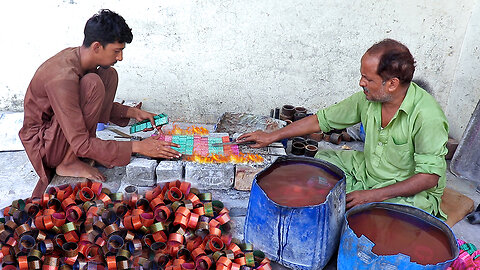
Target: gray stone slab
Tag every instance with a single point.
(237, 224)
(141, 172)
(168, 171)
(210, 176)
(234, 200)
(114, 178)
(466, 160)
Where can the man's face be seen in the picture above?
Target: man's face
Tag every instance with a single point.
(372, 84)
(110, 54)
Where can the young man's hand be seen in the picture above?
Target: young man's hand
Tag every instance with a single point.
(152, 147)
(141, 115)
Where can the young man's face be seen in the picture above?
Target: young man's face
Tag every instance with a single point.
(109, 54)
(372, 84)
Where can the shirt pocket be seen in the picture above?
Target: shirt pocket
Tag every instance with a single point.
(399, 156)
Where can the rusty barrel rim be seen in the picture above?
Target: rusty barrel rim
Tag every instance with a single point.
(409, 210)
(303, 159)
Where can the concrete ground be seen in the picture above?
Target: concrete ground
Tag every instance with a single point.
(18, 180)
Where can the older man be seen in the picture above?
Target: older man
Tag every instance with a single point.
(69, 94)
(406, 133)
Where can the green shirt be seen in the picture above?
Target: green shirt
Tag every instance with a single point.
(413, 142)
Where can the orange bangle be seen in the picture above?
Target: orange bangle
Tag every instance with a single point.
(215, 231)
(162, 213)
(266, 266)
(73, 213)
(22, 262)
(105, 199)
(136, 222)
(160, 236)
(213, 223)
(197, 252)
(48, 223)
(192, 222)
(199, 211)
(236, 249)
(223, 218)
(215, 244)
(67, 203)
(224, 261)
(185, 188)
(174, 194)
(147, 219)
(86, 194)
(175, 237)
(180, 220)
(203, 262)
(96, 187)
(71, 236)
(183, 211)
(193, 198)
(6, 211)
(58, 219)
(156, 202)
(241, 260)
(111, 262)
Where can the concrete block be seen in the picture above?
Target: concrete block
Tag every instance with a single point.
(114, 177)
(210, 176)
(168, 171)
(141, 172)
(235, 201)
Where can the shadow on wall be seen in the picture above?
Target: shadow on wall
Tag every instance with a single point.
(423, 84)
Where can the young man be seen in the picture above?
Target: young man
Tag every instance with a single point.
(406, 133)
(73, 91)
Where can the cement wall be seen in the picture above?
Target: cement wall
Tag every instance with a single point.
(197, 59)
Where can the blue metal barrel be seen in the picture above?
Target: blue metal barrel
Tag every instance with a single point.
(356, 252)
(297, 237)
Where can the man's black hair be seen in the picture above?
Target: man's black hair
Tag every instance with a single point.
(396, 61)
(106, 27)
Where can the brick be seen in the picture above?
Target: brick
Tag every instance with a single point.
(210, 176)
(244, 175)
(141, 172)
(235, 201)
(168, 171)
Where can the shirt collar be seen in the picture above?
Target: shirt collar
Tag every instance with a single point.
(407, 105)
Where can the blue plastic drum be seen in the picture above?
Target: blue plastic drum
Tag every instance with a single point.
(394, 227)
(297, 237)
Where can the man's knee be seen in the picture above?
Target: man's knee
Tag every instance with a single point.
(109, 76)
(92, 87)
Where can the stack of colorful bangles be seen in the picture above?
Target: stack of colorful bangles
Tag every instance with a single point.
(87, 227)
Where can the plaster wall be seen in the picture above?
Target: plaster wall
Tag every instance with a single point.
(194, 60)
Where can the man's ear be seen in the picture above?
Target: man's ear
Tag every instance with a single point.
(393, 84)
(96, 46)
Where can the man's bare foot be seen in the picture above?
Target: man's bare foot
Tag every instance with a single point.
(77, 168)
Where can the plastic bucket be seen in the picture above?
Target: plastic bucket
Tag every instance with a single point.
(297, 237)
(356, 252)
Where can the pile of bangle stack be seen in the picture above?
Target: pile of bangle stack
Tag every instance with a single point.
(87, 227)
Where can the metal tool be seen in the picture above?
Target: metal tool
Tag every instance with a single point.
(124, 135)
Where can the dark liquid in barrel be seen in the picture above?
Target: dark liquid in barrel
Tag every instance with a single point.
(394, 232)
(297, 184)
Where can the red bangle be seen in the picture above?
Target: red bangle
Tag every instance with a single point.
(185, 188)
(223, 218)
(175, 237)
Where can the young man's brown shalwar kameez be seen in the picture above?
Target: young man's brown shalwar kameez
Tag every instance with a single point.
(63, 105)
